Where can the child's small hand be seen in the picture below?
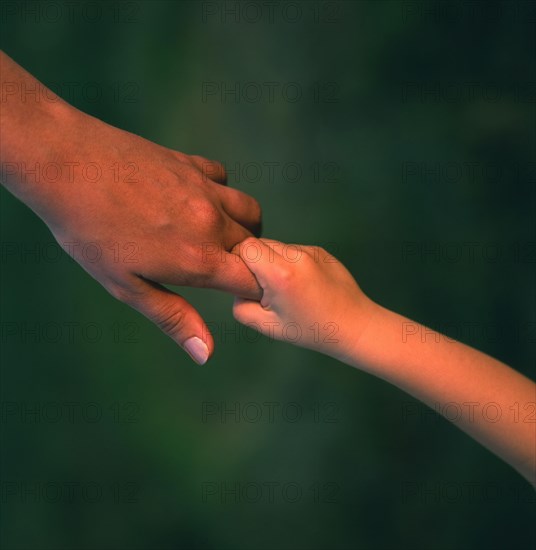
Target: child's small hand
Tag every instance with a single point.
(309, 298)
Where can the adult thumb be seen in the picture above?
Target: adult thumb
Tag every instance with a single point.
(177, 318)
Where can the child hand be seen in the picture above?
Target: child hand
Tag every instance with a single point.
(309, 298)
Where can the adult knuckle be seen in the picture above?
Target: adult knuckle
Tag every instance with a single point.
(188, 172)
(198, 159)
(170, 320)
(179, 155)
(255, 209)
(206, 213)
(214, 166)
(201, 163)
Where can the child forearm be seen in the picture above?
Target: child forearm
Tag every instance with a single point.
(494, 403)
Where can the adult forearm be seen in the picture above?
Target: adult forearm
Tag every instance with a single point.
(36, 133)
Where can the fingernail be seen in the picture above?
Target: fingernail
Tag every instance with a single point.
(197, 349)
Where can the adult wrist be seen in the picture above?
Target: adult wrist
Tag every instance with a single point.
(40, 145)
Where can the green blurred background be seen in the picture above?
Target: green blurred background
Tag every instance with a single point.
(415, 138)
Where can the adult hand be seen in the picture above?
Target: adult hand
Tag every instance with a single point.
(134, 214)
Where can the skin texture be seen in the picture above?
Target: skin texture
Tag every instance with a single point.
(494, 404)
(150, 213)
(303, 285)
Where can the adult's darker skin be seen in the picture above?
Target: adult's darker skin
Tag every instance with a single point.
(169, 213)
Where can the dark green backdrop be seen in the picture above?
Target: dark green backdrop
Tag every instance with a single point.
(409, 154)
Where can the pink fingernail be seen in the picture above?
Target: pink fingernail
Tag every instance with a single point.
(197, 349)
